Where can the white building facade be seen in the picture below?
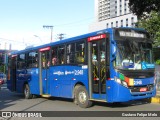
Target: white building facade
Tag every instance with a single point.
(112, 13)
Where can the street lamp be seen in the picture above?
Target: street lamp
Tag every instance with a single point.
(38, 37)
(49, 27)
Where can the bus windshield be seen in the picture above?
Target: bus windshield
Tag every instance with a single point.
(134, 55)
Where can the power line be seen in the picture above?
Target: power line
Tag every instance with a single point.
(75, 22)
(14, 41)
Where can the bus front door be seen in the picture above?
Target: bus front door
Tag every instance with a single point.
(97, 57)
(44, 72)
(12, 72)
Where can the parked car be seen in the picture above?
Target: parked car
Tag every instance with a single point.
(2, 78)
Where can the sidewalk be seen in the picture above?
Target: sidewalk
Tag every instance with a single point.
(156, 99)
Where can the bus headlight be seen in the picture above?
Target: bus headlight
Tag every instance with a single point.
(121, 82)
(124, 84)
(118, 80)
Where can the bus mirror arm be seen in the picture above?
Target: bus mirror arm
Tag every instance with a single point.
(113, 57)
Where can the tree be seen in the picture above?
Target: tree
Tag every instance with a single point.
(152, 25)
(141, 7)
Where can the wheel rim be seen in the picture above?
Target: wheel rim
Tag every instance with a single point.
(82, 97)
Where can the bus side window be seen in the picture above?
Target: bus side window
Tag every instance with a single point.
(54, 56)
(21, 61)
(35, 59)
(32, 60)
(80, 52)
(71, 53)
(61, 54)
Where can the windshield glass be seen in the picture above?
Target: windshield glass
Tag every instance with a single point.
(133, 55)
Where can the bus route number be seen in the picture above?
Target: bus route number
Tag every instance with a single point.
(78, 72)
(138, 82)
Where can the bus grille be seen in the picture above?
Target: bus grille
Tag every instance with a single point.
(138, 88)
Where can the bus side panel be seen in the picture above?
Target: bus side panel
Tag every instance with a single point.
(11, 83)
(109, 90)
(63, 79)
(54, 78)
(73, 75)
(33, 80)
(21, 79)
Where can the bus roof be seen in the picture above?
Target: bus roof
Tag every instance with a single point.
(109, 30)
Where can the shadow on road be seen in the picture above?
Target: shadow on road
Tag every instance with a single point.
(121, 105)
(103, 104)
(7, 98)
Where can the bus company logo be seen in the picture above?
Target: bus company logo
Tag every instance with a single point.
(6, 114)
(69, 72)
(74, 72)
(58, 73)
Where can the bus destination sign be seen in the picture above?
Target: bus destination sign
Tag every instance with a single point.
(132, 34)
(96, 37)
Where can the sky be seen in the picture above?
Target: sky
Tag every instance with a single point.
(22, 20)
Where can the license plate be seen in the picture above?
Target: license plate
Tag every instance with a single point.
(143, 89)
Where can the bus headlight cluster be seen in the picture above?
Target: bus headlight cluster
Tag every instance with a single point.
(121, 82)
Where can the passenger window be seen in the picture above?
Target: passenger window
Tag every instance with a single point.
(21, 61)
(80, 58)
(32, 59)
(61, 55)
(54, 56)
(70, 53)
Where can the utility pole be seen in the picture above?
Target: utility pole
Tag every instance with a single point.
(61, 36)
(49, 27)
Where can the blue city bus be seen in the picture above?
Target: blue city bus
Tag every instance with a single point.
(111, 65)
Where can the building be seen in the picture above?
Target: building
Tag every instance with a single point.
(112, 13)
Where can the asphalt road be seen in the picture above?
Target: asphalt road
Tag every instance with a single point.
(10, 101)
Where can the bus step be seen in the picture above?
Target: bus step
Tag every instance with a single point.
(46, 95)
(98, 100)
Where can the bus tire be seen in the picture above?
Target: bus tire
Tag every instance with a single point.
(75, 94)
(82, 97)
(27, 93)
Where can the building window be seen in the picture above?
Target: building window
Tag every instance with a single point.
(125, 11)
(111, 24)
(116, 13)
(116, 23)
(127, 22)
(121, 23)
(107, 25)
(132, 21)
(120, 12)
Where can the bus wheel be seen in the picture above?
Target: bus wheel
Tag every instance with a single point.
(82, 98)
(75, 94)
(27, 93)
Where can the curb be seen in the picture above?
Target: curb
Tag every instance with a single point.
(155, 99)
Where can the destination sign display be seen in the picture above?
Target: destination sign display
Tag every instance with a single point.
(131, 34)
